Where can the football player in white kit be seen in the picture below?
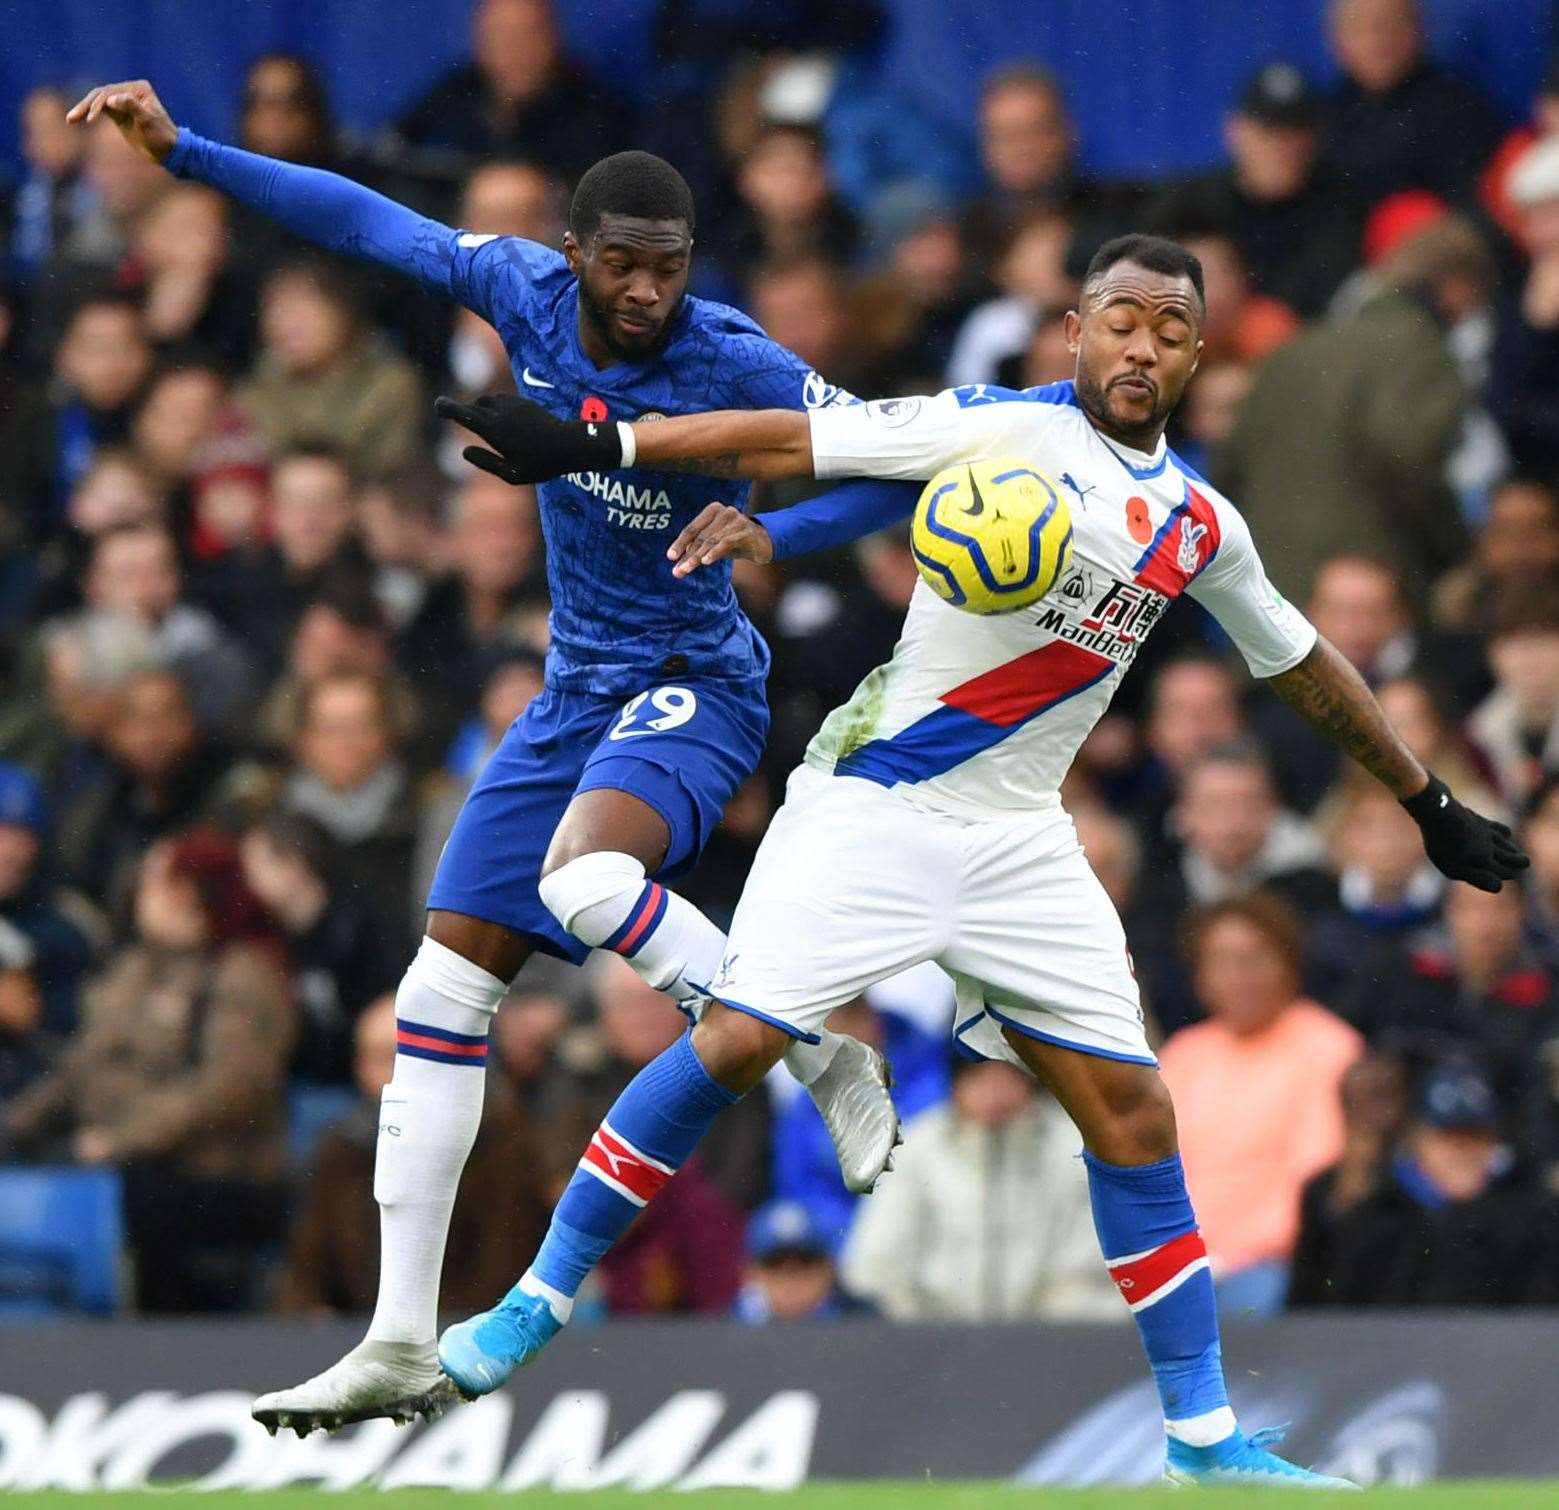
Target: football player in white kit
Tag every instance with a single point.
(925, 822)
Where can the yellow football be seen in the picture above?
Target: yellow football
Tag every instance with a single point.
(992, 536)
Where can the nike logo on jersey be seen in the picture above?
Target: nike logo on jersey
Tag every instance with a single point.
(473, 239)
(534, 382)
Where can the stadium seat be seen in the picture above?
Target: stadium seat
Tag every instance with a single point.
(61, 1236)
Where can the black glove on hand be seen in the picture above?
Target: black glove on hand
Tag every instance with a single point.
(1463, 844)
(528, 444)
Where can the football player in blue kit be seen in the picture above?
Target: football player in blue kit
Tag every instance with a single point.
(653, 711)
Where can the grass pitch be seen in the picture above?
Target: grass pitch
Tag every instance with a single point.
(1465, 1494)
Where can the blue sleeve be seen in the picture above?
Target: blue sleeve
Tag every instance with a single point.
(838, 516)
(345, 217)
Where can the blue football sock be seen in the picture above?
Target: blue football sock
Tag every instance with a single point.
(652, 1127)
(1158, 1261)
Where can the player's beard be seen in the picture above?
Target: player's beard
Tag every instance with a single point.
(601, 317)
(1095, 400)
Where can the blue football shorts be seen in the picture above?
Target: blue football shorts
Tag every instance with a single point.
(681, 747)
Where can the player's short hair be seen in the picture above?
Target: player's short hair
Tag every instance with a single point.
(629, 183)
(1156, 253)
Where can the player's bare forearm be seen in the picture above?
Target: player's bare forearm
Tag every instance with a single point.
(1331, 694)
(761, 443)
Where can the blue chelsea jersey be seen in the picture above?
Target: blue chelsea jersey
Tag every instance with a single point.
(620, 620)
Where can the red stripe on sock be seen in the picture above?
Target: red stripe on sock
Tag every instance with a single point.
(419, 1041)
(651, 902)
(628, 1169)
(1146, 1275)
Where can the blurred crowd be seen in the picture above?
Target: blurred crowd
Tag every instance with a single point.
(260, 627)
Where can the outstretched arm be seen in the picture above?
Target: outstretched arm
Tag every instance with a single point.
(322, 207)
(1331, 694)
(908, 439)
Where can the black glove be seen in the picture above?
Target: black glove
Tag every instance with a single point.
(1463, 844)
(528, 444)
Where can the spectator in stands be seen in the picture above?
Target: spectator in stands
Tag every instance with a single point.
(788, 205)
(314, 547)
(177, 418)
(1357, 603)
(1212, 404)
(285, 111)
(520, 95)
(802, 302)
(790, 1273)
(350, 778)
(1279, 206)
(189, 292)
(1476, 989)
(1446, 1218)
(1386, 890)
(1242, 323)
(1524, 390)
(1397, 120)
(53, 196)
(494, 548)
(45, 936)
(400, 522)
(125, 185)
(525, 1035)
(342, 954)
(1540, 839)
(500, 1211)
(918, 291)
(1322, 459)
(1518, 538)
(1234, 835)
(342, 630)
(1028, 150)
(67, 691)
(134, 571)
(161, 774)
(1032, 278)
(1516, 728)
(229, 492)
(101, 363)
(177, 1075)
(985, 1216)
(1192, 707)
(323, 376)
(1256, 1087)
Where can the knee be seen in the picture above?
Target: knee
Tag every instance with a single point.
(572, 885)
(1140, 1121)
(735, 1049)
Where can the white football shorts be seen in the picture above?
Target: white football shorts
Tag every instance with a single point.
(854, 883)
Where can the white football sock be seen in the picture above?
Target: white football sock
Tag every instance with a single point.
(604, 900)
(428, 1117)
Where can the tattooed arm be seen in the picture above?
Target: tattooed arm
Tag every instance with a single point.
(1331, 694)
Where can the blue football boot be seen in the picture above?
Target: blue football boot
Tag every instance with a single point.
(1239, 1459)
(480, 1354)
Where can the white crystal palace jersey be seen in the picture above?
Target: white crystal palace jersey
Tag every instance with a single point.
(979, 713)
